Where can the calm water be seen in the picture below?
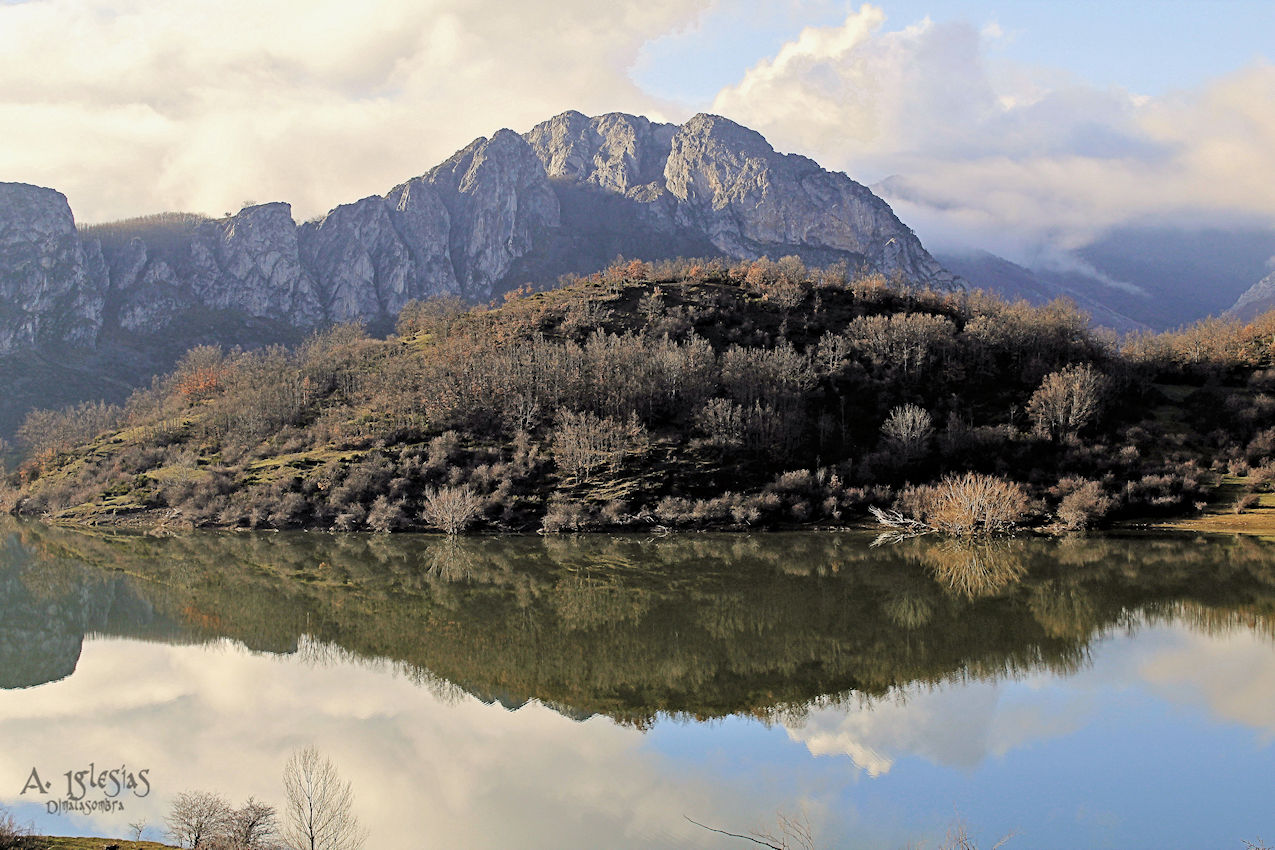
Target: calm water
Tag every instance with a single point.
(598, 692)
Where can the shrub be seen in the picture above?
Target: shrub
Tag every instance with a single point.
(1248, 500)
(969, 505)
(586, 443)
(452, 509)
(564, 515)
(907, 431)
(385, 516)
(1067, 401)
(1085, 503)
(722, 421)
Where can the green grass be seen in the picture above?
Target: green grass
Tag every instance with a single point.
(56, 842)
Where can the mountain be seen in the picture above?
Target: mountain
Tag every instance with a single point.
(1149, 274)
(1255, 300)
(988, 271)
(51, 284)
(568, 196)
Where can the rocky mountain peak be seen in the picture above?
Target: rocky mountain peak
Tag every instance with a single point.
(567, 196)
(616, 152)
(50, 287)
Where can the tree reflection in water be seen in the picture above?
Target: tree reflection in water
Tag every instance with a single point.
(697, 626)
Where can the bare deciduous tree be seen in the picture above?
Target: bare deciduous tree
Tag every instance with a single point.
(320, 805)
(586, 443)
(13, 835)
(255, 826)
(1067, 401)
(907, 430)
(197, 816)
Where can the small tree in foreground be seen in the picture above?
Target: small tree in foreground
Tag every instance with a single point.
(907, 431)
(13, 835)
(320, 805)
(1067, 401)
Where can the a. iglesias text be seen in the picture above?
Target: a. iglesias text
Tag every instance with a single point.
(87, 791)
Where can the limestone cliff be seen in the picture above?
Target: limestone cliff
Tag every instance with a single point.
(565, 197)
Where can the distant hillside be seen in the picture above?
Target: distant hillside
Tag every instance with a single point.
(996, 274)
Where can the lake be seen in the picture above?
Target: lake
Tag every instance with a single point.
(1114, 691)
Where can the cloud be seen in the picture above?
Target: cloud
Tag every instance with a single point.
(131, 107)
(953, 726)
(1230, 671)
(224, 719)
(1002, 156)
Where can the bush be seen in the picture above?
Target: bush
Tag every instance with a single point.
(452, 509)
(1067, 401)
(1084, 503)
(907, 431)
(969, 505)
(586, 443)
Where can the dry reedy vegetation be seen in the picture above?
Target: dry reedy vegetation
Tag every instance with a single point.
(969, 505)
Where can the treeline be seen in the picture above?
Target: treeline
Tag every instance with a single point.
(691, 393)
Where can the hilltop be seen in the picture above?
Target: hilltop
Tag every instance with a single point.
(686, 394)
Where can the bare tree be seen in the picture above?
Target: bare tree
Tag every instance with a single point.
(138, 828)
(452, 509)
(13, 835)
(253, 827)
(1067, 401)
(907, 430)
(197, 816)
(586, 443)
(320, 805)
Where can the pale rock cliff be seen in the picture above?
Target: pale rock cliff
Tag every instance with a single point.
(566, 197)
(50, 286)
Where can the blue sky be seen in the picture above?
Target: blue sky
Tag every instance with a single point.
(1149, 47)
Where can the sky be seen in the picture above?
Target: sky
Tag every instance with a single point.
(1000, 124)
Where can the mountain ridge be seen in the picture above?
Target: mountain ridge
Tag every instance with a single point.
(566, 196)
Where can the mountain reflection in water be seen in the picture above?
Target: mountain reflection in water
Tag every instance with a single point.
(875, 654)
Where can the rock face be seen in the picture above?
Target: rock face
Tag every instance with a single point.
(1257, 299)
(749, 199)
(566, 197)
(50, 286)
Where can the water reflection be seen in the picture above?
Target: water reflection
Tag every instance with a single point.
(521, 683)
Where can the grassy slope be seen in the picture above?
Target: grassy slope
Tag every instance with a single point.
(56, 842)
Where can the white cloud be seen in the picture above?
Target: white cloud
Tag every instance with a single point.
(131, 107)
(472, 775)
(987, 153)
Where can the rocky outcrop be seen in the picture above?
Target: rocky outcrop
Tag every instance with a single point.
(615, 152)
(749, 200)
(568, 196)
(497, 193)
(50, 286)
(1257, 299)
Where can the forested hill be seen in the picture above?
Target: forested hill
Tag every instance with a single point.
(689, 394)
